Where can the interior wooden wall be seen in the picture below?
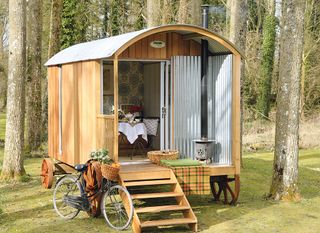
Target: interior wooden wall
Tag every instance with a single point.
(175, 45)
(53, 112)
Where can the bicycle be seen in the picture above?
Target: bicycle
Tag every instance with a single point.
(70, 197)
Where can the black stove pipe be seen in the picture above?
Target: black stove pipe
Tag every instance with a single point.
(204, 77)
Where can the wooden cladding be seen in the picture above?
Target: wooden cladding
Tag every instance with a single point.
(105, 136)
(175, 46)
(53, 112)
(80, 84)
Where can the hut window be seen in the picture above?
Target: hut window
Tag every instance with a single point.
(107, 90)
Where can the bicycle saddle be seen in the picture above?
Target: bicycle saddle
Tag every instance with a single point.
(81, 167)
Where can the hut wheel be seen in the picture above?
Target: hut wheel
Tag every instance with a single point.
(47, 173)
(221, 184)
(93, 178)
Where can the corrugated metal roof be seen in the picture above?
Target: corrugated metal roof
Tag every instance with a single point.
(96, 49)
(105, 48)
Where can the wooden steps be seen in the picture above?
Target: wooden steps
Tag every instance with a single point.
(156, 209)
(146, 177)
(166, 222)
(156, 195)
(149, 182)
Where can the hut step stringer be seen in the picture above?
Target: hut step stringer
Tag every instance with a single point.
(141, 181)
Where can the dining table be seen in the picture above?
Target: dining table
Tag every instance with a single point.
(133, 130)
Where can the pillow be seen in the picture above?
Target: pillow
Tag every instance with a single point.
(152, 126)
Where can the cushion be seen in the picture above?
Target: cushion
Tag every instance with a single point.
(180, 163)
(151, 125)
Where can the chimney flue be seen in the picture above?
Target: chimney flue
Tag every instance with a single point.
(204, 78)
(205, 12)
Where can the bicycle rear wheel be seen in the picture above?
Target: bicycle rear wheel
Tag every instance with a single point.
(117, 207)
(68, 186)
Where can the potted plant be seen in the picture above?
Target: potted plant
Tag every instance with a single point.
(109, 169)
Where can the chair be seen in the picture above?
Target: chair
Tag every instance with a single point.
(151, 124)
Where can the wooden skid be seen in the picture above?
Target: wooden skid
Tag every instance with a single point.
(146, 174)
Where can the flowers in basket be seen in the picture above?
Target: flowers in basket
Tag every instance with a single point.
(109, 168)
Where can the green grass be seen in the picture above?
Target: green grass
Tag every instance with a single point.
(2, 125)
(26, 207)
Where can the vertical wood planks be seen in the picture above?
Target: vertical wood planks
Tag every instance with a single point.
(236, 112)
(53, 111)
(116, 105)
(175, 46)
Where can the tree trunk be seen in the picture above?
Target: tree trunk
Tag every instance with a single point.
(55, 27)
(237, 35)
(14, 141)
(285, 168)
(183, 12)
(153, 13)
(167, 12)
(53, 48)
(266, 69)
(34, 31)
(195, 8)
(3, 54)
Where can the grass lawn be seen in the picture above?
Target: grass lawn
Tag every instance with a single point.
(26, 207)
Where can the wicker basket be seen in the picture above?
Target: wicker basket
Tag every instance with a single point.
(109, 172)
(157, 156)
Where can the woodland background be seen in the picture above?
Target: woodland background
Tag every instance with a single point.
(255, 26)
(75, 21)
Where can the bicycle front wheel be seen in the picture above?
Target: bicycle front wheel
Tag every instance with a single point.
(68, 186)
(117, 207)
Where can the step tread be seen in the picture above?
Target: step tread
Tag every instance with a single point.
(156, 209)
(148, 182)
(156, 195)
(166, 222)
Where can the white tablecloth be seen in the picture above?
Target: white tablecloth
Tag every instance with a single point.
(133, 131)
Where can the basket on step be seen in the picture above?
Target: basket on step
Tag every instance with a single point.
(109, 172)
(157, 156)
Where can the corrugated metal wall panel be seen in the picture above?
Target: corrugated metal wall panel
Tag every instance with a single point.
(186, 103)
(187, 93)
(220, 106)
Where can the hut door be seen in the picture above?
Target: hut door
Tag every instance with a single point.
(165, 106)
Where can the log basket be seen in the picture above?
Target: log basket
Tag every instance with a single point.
(157, 156)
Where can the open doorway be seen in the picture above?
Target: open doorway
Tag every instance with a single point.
(142, 110)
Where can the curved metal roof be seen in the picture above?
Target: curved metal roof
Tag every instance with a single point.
(107, 47)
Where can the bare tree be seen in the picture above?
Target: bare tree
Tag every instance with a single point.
(33, 91)
(237, 34)
(183, 11)
(153, 13)
(3, 52)
(266, 69)
(55, 27)
(285, 167)
(53, 48)
(14, 141)
(167, 12)
(195, 11)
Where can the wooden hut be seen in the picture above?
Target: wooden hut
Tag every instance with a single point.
(159, 69)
